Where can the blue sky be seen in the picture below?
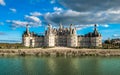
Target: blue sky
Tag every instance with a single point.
(15, 14)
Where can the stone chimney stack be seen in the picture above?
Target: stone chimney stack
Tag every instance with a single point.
(74, 32)
(70, 28)
(49, 29)
(60, 26)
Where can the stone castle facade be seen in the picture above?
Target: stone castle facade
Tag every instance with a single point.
(66, 37)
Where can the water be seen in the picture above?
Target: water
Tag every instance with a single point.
(59, 65)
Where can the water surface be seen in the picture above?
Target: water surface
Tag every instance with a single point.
(31, 65)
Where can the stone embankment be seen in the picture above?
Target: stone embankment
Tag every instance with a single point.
(60, 52)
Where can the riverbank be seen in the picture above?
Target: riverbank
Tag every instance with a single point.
(59, 52)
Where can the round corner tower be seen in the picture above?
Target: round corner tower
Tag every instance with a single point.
(49, 37)
(72, 37)
(27, 38)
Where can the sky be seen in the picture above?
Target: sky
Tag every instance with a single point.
(83, 14)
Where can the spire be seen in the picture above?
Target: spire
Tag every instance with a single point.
(96, 33)
(27, 29)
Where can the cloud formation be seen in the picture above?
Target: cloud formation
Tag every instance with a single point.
(17, 23)
(52, 1)
(13, 10)
(32, 19)
(64, 16)
(90, 5)
(57, 9)
(35, 14)
(86, 12)
(2, 2)
(116, 35)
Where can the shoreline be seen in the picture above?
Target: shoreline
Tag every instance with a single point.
(59, 52)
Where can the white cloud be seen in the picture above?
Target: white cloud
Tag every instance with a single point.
(52, 1)
(85, 12)
(116, 35)
(105, 25)
(90, 5)
(113, 11)
(67, 17)
(79, 27)
(35, 14)
(57, 9)
(64, 16)
(13, 9)
(71, 13)
(17, 23)
(80, 19)
(32, 19)
(83, 18)
(2, 2)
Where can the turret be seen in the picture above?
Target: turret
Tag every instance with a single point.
(72, 38)
(95, 32)
(96, 39)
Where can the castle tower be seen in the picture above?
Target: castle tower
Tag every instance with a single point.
(49, 37)
(28, 39)
(72, 37)
(97, 39)
(25, 37)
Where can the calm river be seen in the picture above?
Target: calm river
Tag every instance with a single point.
(31, 65)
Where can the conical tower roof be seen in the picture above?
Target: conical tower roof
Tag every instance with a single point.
(95, 32)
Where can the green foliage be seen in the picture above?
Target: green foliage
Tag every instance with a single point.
(11, 46)
(111, 46)
(45, 47)
(91, 47)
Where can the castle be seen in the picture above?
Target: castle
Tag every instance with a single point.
(66, 37)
